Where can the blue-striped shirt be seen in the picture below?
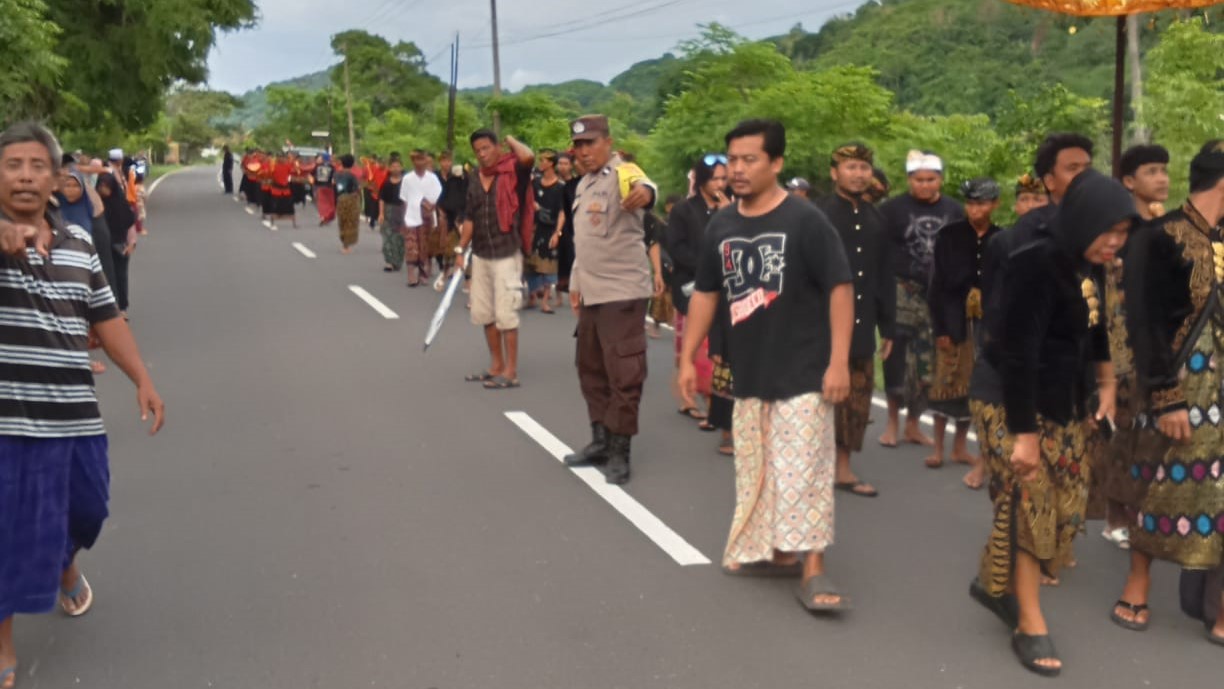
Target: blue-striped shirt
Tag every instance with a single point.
(46, 309)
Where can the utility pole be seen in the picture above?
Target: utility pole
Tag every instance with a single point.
(454, 83)
(331, 132)
(1141, 134)
(348, 102)
(496, 70)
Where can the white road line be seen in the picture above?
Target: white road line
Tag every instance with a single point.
(883, 404)
(303, 250)
(669, 541)
(374, 303)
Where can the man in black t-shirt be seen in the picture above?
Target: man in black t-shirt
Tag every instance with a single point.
(913, 221)
(781, 267)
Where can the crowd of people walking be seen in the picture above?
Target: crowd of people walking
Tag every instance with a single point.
(1079, 343)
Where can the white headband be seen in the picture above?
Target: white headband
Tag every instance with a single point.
(917, 161)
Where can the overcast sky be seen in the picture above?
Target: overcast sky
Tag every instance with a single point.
(543, 41)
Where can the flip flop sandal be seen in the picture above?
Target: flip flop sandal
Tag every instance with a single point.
(727, 450)
(933, 465)
(1212, 638)
(500, 383)
(1004, 607)
(1030, 649)
(820, 585)
(707, 427)
(478, 377)
(852, 487)
(6, 673)
(765, 570)
(1134, 625)
(82, 586)
(692, 413)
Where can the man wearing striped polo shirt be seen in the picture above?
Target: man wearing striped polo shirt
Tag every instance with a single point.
(53, 464)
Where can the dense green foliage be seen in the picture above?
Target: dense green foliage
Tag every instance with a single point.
(100, 69)
(31, 66)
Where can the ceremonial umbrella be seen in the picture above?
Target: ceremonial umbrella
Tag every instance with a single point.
(439, 316)
(1120, 9)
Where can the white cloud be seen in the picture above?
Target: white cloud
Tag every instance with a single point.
(293, 37)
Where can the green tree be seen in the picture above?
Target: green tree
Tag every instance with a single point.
(294, 113)
(31, 67)
(383, 75)
(191, 118)
(534, 118)
(1185, 95)
(125, 54)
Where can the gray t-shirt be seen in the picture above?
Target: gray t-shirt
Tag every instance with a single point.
(776, 272)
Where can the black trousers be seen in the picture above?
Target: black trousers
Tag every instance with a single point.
(120, 287)
(611, 361)
(227, 179)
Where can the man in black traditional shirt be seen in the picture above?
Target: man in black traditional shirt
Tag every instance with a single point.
(861, 228)
(955, 298)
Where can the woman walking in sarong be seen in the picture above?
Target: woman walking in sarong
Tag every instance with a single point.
(348, 203)
(1174, 278)
(1050, 334)
(391, 215)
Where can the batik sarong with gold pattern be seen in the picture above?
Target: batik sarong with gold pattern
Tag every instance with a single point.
(1042, 516)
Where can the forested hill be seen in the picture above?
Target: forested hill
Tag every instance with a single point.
(937, 56)
(254, 108)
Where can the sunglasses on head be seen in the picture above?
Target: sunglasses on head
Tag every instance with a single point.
(712, 159)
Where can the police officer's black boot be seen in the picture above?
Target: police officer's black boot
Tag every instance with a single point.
(617, 470)
(594, 453)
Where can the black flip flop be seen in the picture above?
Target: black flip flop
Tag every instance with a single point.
(1004, 607)
(478, 377)
(706, 426)
(501, 383)
(692, 412)
(1134, 625)
(852, 486)
(820, 585)
(1212, 638)
(1030, 649)
(765, 570)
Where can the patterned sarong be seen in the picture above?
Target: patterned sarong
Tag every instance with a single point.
(854, 414)
(1040, 517)
(1181, 516)
(950, 384)
(348, 210)
(914, 327)
(784, 469)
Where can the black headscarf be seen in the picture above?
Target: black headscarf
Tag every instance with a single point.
(1093, 204)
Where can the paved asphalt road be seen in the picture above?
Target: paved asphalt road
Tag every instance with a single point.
(330, 507)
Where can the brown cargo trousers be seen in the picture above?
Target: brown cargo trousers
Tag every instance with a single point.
(611, 361)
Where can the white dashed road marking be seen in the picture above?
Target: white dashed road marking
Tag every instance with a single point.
(669, 541)
(374, 303)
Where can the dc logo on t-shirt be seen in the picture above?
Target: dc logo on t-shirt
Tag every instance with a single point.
(752, 272)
